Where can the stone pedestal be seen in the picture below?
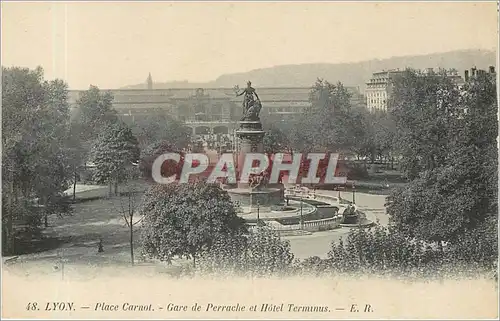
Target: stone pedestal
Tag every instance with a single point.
(251, 136)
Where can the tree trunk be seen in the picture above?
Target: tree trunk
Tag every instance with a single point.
(45, 220)
(131, 240)
(9, 229)
(74, 188)
(116, 186)
(110, 188)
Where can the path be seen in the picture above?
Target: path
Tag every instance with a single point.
(96, 219)
(319, 243)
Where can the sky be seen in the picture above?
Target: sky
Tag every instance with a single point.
(114, 44)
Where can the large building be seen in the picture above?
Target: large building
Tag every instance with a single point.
(209, 110)
(379, 88)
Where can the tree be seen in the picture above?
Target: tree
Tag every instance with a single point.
(128, 207)
(77, 154)
(53, 173)
(458, 193)
(160, 127)
(378, 142)
(422, 107)
(95, 111)
(152, 152)
(275, 141)
(185, 219)
(331, 124)
(35, 115)
(114, 151)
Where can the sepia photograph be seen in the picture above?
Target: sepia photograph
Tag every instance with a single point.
(249, 160)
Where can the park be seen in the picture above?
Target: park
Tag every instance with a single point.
(385, 200)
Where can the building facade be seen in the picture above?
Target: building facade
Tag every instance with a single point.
(209, 110)
(379, 88)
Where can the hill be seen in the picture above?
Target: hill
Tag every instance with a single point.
(350, 74)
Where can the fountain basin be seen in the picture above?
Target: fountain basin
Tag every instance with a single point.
(251, 197)
(266, 214)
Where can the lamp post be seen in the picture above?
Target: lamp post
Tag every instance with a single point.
(301, 219)
(353, 193)
(258, 213)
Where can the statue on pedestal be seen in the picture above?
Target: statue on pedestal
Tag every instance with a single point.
(251, 104)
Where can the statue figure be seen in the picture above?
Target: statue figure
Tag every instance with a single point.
(256, 181)
(249, 101)
(253, 112)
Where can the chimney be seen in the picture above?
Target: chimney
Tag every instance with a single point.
(466, 75)
(492, 69)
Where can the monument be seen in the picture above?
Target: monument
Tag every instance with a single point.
(257, 192)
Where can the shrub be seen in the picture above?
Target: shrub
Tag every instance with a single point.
(261, 253)
(387, 251)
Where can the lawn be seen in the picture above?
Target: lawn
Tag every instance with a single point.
(76, 236)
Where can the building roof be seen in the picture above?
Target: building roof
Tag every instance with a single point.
(190, 93)
(163, 96)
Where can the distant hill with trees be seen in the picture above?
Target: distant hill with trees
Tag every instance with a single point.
(350, 74)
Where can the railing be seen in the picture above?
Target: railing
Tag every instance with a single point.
(310, 226)
(208, 121)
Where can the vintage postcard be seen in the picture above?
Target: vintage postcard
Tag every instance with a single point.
(250, 160)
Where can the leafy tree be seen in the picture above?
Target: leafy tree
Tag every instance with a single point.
(76, 152)
(151, 153)
(461, 193)
(95, 111)
(331, 124)
(115, 150)
(437, 206)
(35, 117)
(378, 142)
(422, 107)
(185, 219)
(275, 141)
(474, 144)
(160, 127)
